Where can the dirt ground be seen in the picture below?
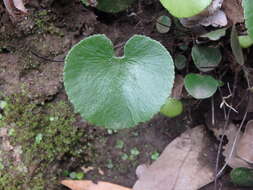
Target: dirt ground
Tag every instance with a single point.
(31, 60)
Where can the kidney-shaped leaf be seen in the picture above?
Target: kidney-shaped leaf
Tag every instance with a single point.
(118, 92)
(185, 8)
(248, 14)
(206, 58)
(200, 86)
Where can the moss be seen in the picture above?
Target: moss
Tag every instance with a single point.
(47, 135)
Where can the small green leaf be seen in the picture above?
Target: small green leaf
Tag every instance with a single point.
(242, 177)
(119, 144)
(245, 41)
(118, 92)
(79, 175)
(155, 156)
(200, 86)
(180, 62)
(236, 47)
(248, 15)
(124, 156)
(38, 138)
(3, 104)
(185, 8)
(163, 24)
(206, 58)
(85, 2)
(172, 107)
(72, 175)
(134, 151)
(215, 35)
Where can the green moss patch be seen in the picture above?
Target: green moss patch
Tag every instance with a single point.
(47, 137)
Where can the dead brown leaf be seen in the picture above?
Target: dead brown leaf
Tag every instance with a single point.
(184, 164)
(15, 7)
(234, 11)
(231, 148)
(245, 145)
(89, 185)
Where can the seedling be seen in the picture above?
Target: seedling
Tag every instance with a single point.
(118, 92)
(155, 156)
(119, 144)
(76, 175)
(172, 108)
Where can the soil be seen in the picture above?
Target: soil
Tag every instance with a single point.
(32, 51)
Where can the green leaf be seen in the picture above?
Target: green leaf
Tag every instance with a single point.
(38, 138)
(85, 2)
(185, 8)
(236, 47)
(163, 24)
(245, 41)
(172, 107)
(200, 86)
(180, 61)
(215, 35)
(118, 92)
(248, 15)
(206, 58)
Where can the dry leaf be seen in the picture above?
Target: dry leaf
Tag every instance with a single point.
(184, 164)
(89, 185)
(15, 7)
(245, 145)
(234, 11)
(232, 158)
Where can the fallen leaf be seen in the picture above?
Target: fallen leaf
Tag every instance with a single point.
(185, 162)
(245, 145)
(218, 19)
(234, 11)
(231, 158)
(15, 7)
(89, 185)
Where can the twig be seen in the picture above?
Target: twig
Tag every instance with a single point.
(46, 59)
(223, 132)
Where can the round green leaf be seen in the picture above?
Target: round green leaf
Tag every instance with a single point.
(118, 92)
(248, 15)
(206, 58)
(200, 86)
(172, 107)
(185, 8)
(245, 41)
(163, 24)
